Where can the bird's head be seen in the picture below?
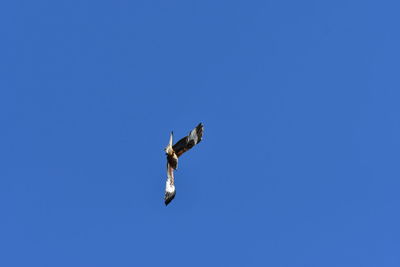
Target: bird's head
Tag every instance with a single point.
(168, 150)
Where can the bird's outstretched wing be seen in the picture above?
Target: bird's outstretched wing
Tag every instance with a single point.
(187, 142)
(169, 185)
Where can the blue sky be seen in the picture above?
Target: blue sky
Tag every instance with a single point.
(299, 165)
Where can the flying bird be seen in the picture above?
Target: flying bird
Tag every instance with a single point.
(173, 152)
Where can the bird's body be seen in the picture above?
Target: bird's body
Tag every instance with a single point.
(173, 152)
(172, 158)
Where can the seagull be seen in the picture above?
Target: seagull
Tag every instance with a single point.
(173, 152)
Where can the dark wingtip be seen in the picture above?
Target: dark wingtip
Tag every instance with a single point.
(199, 130)
(168, 197)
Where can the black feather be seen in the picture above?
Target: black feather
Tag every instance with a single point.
(169, 196)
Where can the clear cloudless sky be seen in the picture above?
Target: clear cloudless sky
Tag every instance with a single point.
(299, 165)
